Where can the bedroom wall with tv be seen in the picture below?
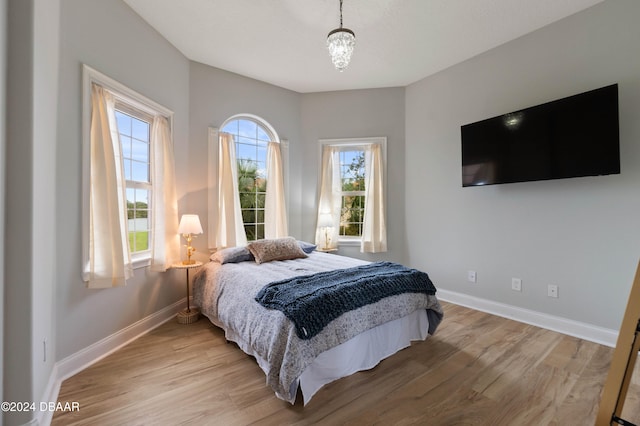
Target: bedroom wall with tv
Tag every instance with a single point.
(580, 233)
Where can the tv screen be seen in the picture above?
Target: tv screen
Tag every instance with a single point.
(570, 137)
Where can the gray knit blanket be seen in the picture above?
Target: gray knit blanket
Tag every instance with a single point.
(313, 301)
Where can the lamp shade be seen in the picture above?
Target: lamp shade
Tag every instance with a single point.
(190, 224)
(325, 220)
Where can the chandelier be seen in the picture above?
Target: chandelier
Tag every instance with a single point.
(340, 43)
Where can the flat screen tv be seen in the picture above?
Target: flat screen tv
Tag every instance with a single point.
(570, 137)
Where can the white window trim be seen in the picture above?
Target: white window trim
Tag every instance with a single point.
(347, 144)
(259, 120)
(284, 145)
(126, 95)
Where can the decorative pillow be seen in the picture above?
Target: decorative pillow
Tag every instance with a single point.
(275, 249)
(307, 247)
(232, 255)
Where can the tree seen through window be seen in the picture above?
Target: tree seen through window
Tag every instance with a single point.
(352, 175)
(251, 139)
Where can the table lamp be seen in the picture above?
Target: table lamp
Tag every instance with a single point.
(325, 222)
(189, 225)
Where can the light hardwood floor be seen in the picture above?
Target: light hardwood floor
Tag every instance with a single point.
(478, 369)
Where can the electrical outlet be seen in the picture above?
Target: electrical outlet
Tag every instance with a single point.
(471, 276)
(552, 291)
(516, 284)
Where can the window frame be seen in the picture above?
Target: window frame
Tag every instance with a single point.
(134, 113)
(353, 144)
(126, 98)
(360, 193)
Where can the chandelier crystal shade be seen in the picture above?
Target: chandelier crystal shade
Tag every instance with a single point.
(340, 43)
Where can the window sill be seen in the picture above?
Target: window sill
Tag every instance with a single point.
(138, 262)
(349, 242)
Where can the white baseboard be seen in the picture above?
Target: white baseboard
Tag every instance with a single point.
(50, 395)
(82, 359)
(95, 352)
(592, 333)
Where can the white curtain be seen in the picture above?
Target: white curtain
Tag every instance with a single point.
(275, 209)
(229, 230)
(165, 248)
(109, 259)
(330, 201)
(374, 230)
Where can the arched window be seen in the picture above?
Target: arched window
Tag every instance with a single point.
(252, 136)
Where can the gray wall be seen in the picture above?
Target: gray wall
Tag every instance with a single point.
(352, 114)
(18, 369)
(216, 95)
(45, 116)
(30, 201)
(121, 45)
(581, 234)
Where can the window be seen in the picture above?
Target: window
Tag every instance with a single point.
(128, 151)
(353, 192)
(252, 136)
(351, 204)
(134, 131)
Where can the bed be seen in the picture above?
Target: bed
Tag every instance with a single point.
(225, 289)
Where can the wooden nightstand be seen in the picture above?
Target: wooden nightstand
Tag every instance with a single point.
(189, 315)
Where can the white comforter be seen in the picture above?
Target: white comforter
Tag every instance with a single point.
(225, 294)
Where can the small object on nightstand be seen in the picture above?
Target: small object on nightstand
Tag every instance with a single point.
(325, 222)
(189, 315)
(327, 250)
(189, 225)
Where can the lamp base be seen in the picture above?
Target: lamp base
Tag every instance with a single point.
(190, 317)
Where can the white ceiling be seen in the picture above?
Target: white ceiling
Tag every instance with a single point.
(398, 42)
